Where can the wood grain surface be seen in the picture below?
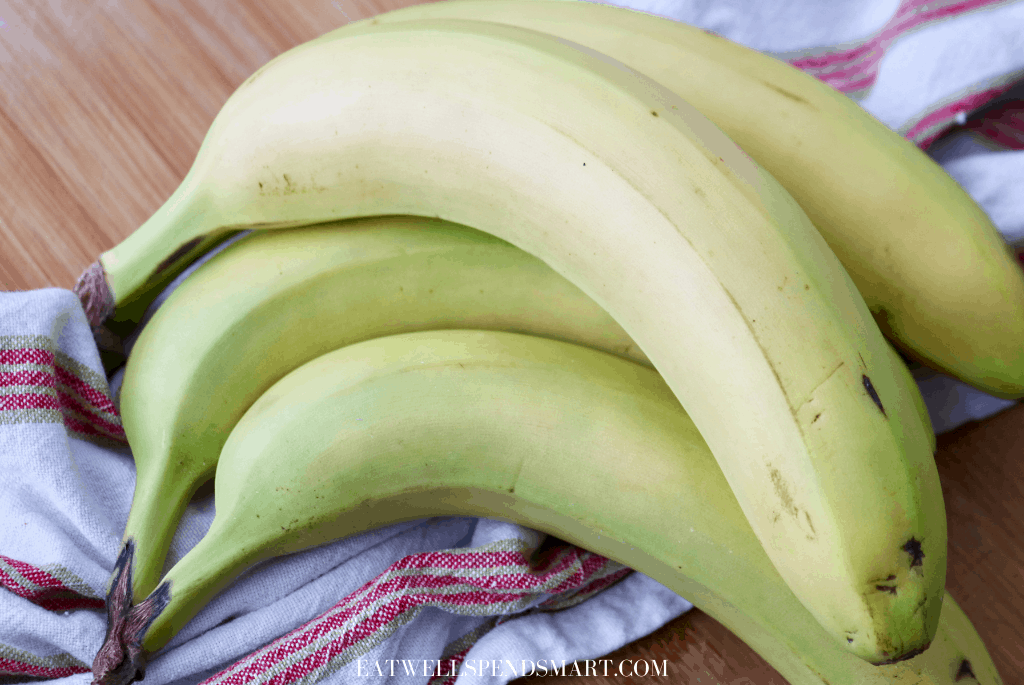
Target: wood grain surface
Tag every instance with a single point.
(103, 105)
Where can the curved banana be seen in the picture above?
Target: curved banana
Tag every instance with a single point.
(569, 440)
(640, 201)
(276, 300)
(898, 222)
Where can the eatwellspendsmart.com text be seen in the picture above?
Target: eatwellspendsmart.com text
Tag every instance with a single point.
(516, 669)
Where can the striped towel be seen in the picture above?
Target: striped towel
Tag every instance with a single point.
(920, 66)
(417, 602)
(423, 599)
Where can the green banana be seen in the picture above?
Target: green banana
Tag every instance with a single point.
(641, 202)
(566, 439)
(896, 220)
(276, 300)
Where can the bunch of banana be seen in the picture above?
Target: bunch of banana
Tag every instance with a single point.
(562, 128)
(275, 300)
(636, 198)
(490, 423)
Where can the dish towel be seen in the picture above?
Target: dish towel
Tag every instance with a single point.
(421, 601)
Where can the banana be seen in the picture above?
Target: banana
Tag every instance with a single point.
(276, 300)
(898, 222)
(582, 444)
(637, 199)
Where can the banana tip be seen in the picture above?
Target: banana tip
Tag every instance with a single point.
(965, 671)
(121, 659)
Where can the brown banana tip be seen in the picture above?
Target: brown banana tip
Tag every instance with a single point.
(121, 659)
(119, 594)
(965, 671)
(95, 294)
(111, 655)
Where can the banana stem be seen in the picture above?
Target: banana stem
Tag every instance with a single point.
(166, 242)
(203, 572)
(122, 657)
(158, 504)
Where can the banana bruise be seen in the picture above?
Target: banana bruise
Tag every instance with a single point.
(275, 300)
(896, 220)
(637, 199)
(576, 442)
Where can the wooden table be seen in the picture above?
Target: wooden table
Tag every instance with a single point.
(102, 108)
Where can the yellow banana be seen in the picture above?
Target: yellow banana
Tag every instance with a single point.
(640, 201)
(933, 269)
(273, 301)
(569, 440)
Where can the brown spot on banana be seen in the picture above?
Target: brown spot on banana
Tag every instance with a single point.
(786, 94)
(289, 186)
(879, 584)
(782, 490)
(874, 395)
(896, 588)
(913, 548)
(965, 671)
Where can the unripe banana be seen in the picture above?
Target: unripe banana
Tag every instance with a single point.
(636, 198)
(933, 269)
(569, 440)
(276, 300)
